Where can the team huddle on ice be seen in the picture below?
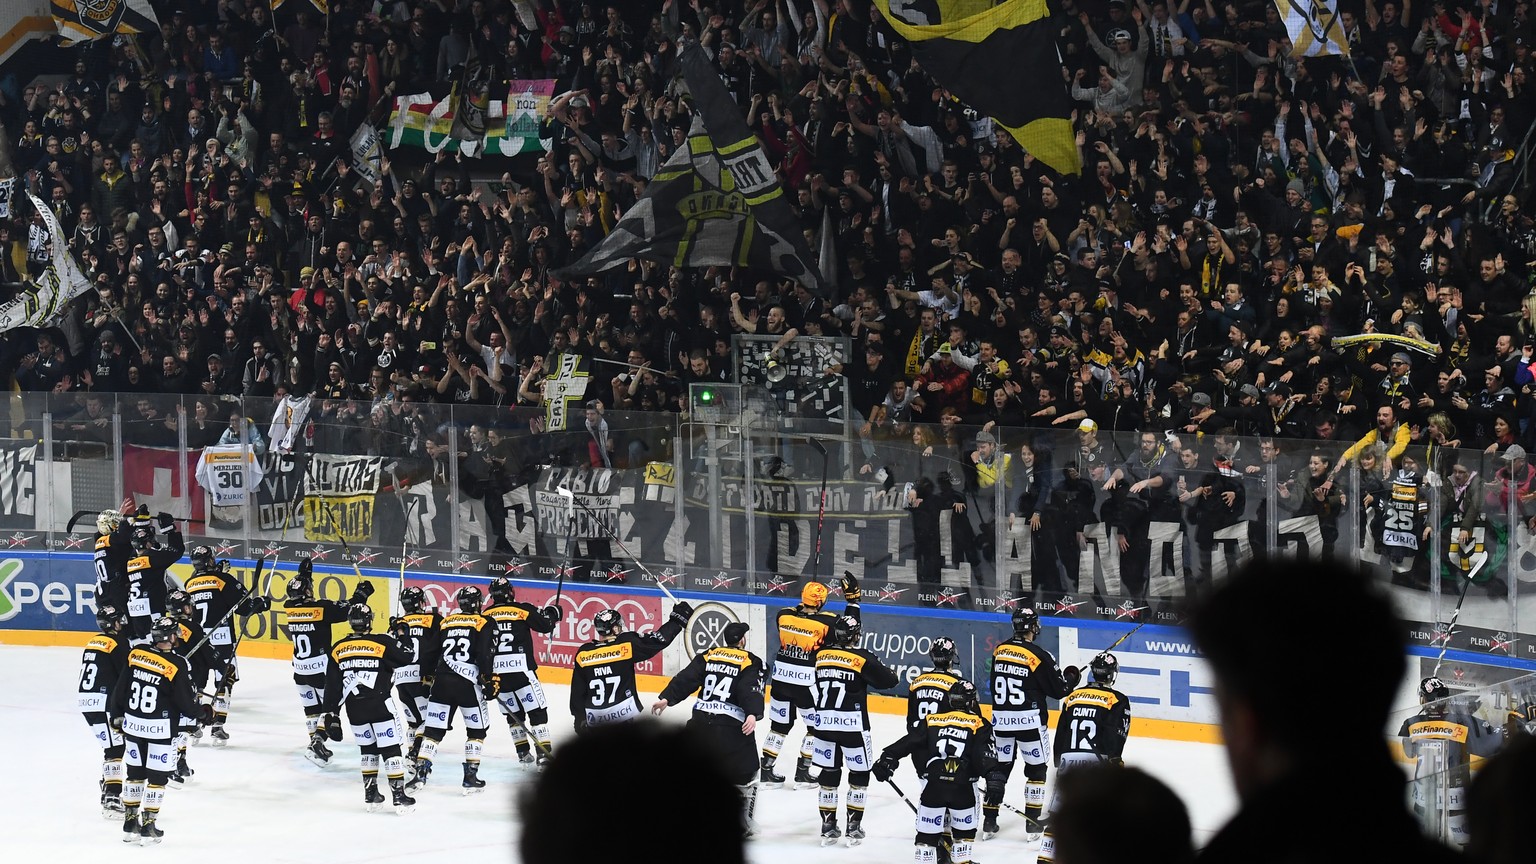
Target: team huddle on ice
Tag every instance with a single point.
(145, 692)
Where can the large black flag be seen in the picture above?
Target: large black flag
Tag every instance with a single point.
(1000, 60)
(716, 202)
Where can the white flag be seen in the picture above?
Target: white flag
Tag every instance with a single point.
(1313, 26)
(367, 153)
(45, 299)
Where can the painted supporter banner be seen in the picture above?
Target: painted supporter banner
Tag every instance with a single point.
(367, 153)
(339, 497)
(18, 484)
(425, 121)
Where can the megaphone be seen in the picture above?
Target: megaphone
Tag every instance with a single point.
(775, 370)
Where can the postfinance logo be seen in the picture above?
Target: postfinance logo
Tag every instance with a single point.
(9, 570)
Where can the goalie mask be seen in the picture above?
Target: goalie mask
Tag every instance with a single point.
(107, 521)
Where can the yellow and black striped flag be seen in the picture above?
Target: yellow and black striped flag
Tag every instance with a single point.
(999, 59)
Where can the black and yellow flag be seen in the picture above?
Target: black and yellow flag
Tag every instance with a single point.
(999, 59)
(715, 202)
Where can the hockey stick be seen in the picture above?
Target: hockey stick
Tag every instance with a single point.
(622, 548)
(527, 730)
(75, 519)
(1451, 628)
(903, 796)
(1128, 635)
(404, 543)
(821, 509)
(1026, 817)
(261, 563)
(570, 536)
(345, 548)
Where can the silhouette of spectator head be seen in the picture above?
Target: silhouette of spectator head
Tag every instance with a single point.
(1252, 630)
(624, 786)
(1499, 826)
(1107, 813)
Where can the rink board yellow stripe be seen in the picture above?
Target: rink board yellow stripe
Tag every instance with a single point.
(1167, 730)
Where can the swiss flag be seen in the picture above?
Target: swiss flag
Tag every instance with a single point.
(153, 477)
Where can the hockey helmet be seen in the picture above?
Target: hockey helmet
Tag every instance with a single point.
(502, 590)
(1104, 669)
(1026, 620)
(301, 587)
(109, 618)
(107, 521)
(846, 630)
(143, 535)
(413, 599)
(607, 623)
(469, 599)
(202, 559)
(165, 629)
(360, 618)
(963, 697)
(1432, 689)
(179, 602)
(814, 594)
(942, 652)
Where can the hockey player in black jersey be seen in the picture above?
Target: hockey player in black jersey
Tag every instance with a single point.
(521, 695)
(729, 681)
(420, 633)
(362, 666)
(146, 567)
(112, 552)
(956, 747)
(1023, 675)
(1443, 741)
(191, 645)
(1093, 725)
(844, 675)
(929, 691)
(218, 596)
(603, 686)
(802, 630)
(101, 664)
(308, 622)
(150, 698)
(462, 682)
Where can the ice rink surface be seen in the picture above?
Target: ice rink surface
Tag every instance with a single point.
(258, 799)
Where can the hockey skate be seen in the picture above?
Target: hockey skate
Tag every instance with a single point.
(402, 802)
(1036, 831)
(829, 832)
(472, 781)
(766, 777)
(989, 826)
(149, 832)
(541, 759)
(372, 797)
(317, 752)
(855, 832)
(525, 757)
(131, 825)
(423, 771)
(803, 778)
(183, 773)
(196, 734)
(218, 737)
